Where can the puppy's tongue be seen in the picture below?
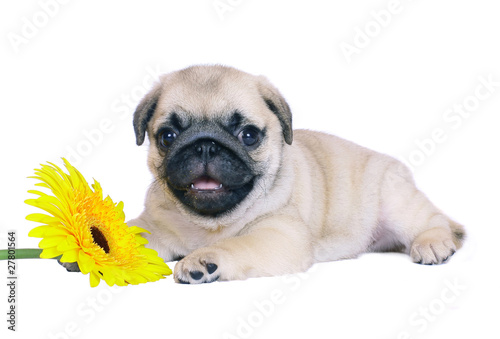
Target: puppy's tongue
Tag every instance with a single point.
(206, 183)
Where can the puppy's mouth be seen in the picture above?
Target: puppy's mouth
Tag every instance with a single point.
(208, 196)
(206, 184)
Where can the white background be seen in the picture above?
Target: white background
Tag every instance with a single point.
(84, 66)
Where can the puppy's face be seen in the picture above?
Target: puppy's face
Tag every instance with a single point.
(207, 164)
(216, 136)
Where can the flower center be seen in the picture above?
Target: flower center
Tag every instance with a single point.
(99, 238)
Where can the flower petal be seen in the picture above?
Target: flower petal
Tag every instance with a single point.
(85, 262)
(70, 255)
(51, 241)
(135, 229)
(56, 212)
(69, 243)
(41, 218)
(152, 255)
(134, 279)
(46, 231)
(94, 279)
(39, 232)
(161, 269)
(141, 240)
(49, 253)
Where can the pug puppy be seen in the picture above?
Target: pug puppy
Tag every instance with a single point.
(239, 194)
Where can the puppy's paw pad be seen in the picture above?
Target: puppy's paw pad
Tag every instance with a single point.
(197, 268)
(211, 268)
(196, 275)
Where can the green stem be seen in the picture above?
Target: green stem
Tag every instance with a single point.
(23, 253)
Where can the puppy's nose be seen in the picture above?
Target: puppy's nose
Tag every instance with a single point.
(206, 149)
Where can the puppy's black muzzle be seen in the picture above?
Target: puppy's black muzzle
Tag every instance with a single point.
(202, 132)
(207, 149)
(208, 169)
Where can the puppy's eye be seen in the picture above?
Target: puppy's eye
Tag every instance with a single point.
(167, 137)
(249, 136)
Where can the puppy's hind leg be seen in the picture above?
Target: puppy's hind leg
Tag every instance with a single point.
(429, 236)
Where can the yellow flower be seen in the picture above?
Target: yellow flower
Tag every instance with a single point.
(87, 229)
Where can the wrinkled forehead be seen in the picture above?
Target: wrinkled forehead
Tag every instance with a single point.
(208, 95)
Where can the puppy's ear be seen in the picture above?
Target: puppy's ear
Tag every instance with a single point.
(277, 104)
(144, 112)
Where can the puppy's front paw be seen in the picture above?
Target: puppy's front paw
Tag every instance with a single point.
(431, 247)
(201, 266)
